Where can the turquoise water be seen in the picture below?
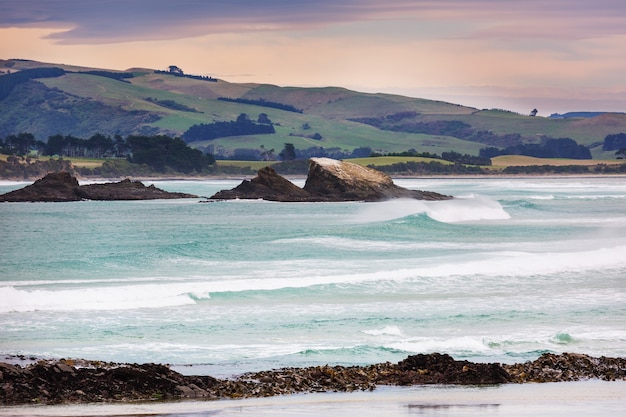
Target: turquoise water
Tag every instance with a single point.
(508, 270)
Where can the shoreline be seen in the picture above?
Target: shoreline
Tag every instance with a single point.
(560, 398)
(75, 381)
(303, 177)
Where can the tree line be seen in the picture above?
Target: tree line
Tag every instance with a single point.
(183, 75)
(240, 127)
(614, 142)
(262, 102)
(401, 122)
(450, 156)
(161, 153)
(549, 148)
(9, 81)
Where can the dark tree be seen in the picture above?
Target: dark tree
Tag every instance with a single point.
(288, 153)
(242, 126)
(120, 147)
(20, 144)
(614, 142)
(550, 148)
(99, 145)
(263, 119)
(163, 152)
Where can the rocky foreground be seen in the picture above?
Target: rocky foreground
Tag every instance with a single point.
(69, 381)
(61, 187)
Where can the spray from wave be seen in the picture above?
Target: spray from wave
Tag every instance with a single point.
(461, 209)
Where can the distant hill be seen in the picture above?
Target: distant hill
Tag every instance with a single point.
(84, 101)
(579, 115)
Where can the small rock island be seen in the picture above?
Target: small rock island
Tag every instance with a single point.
(61, 186)
(328, 180)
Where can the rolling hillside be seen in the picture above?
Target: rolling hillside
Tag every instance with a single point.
(83, 102)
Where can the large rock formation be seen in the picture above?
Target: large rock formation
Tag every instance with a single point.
(61, 186)
(127, 190)
(328, 180)
(344, 181)
(57, 186)
(267, 185)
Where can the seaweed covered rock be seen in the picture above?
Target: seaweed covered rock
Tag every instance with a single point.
(436, 368)
(551, 367)
(79, 381)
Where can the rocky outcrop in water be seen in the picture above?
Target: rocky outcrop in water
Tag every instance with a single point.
(327, 180)
(61, 186)
(267, 185)
(54, 187)
(332, 180)
(70, 381)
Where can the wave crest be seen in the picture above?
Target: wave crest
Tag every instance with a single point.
(461, 209)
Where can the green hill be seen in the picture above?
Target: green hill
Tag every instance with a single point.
(86, 101)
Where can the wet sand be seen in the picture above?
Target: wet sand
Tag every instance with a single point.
(582, 398)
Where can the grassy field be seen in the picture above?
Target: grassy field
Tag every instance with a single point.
(390, 160)
(520, 160)
(326, 111)
(77, 162)
(255, 165)
(499, 162)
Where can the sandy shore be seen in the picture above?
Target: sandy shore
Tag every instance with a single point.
(582, 398)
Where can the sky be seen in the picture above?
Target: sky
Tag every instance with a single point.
(552, 55)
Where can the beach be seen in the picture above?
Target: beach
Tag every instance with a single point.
(585, 398)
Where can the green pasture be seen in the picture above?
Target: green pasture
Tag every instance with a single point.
(390, 160)
(504, 161)
(326, 111)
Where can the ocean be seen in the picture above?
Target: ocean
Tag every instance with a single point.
(509, 269)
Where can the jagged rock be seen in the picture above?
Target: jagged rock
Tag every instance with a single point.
(126, 190)
(327, 180)
(568, 367)
(267, 185)
(443, 369)
(61, 186)
(54, 187)
(344, 181)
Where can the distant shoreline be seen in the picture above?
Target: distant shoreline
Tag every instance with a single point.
(303, 177)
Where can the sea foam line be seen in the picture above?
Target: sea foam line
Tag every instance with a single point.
(496, 264)
(461, 209)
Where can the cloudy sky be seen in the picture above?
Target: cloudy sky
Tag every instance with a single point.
(553, 55)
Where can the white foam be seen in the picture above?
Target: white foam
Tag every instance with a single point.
(463, 344)
(467, 209)
(461, 209)
(8, 183)
(385, 331)
(541, 197)
(108, 298)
